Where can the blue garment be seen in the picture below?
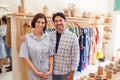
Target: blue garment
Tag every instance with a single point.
(81, 44)
(8, 51)
(2, 44)
(2, 48)
(9, 54)
(60, 77)
(86, 40)
(84, 48)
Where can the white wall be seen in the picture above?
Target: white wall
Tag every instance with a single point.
(110, 6)
(116, 32)
(34, 6)
(98, 6)
(109, 47)
(8, 3)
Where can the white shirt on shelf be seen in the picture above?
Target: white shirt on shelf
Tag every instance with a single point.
(3, 30)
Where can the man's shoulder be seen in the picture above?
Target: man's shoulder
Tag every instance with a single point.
(70, 33)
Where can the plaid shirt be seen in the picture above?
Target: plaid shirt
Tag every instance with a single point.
(66, 58)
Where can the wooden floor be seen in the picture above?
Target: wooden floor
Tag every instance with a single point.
(5, 75)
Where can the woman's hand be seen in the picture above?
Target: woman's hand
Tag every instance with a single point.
(41, 75)
(48, 74)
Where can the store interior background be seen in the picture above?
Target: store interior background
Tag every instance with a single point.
(95, 6)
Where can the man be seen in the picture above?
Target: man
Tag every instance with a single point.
(66, 49)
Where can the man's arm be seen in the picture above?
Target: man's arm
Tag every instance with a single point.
(74, 58)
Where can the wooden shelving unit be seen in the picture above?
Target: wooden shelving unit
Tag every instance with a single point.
(107, 28)
(106, 34)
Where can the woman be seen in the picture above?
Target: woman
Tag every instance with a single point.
(37, 50)
(6, 40)
(2, 46)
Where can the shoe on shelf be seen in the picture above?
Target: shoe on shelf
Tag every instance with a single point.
(0, 70)
(8, 70)
(8, 67)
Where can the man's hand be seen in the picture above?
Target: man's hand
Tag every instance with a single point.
(23, 38)
(70, 76)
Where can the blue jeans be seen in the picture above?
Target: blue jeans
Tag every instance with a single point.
(9, 54)
(8, 51)
(60, 77)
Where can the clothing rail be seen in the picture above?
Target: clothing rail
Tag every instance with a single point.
(73, 21)
(30, 16)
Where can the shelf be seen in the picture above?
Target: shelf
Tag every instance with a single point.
(22, 14)
(68, 18)
(106, 40)
(107, 33)
(107, 25)
(108, 18)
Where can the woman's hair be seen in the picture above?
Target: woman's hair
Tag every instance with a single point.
(0, 21)
(4, 19)
(36, 17)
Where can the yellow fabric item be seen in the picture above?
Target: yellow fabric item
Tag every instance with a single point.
(99, 55)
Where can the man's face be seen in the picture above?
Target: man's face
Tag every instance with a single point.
(59, 23)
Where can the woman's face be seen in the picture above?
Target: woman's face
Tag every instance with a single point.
(40, 24)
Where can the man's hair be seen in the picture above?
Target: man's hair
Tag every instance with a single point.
(59, 14)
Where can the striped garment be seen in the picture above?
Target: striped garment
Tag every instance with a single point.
(38, 51)
(66, 58)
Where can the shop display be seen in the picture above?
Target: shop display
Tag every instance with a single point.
(45, 10)
(88, 22)
(100, 70)
(67, 12)
(109, 74)
(70, 11)
(21, 9)
(76, 25)
(111, 71)
(23, 23)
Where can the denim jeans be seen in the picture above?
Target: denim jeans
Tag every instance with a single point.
(9, 54)
(60, 77)
(8, 51)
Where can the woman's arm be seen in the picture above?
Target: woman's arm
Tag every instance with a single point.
(51, 59)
